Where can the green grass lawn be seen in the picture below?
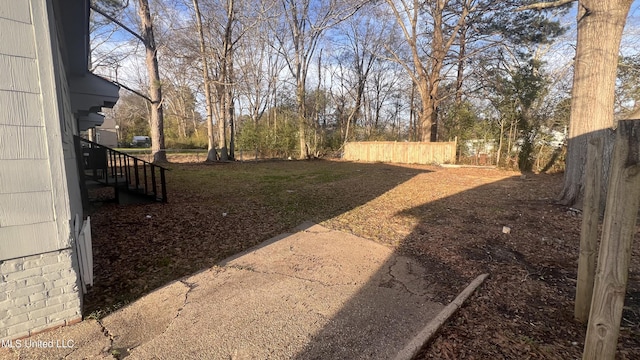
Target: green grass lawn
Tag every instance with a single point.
(294, 191)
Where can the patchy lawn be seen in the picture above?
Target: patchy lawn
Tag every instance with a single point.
(450, 219)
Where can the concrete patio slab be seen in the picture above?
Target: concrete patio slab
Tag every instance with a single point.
(312, 294)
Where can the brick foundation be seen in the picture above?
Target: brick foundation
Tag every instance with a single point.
(37, 293)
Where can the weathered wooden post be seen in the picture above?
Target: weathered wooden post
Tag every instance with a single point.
(623, 200)
(455, 150)
(589, 230)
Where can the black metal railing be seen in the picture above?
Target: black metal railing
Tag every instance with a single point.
(119, 170)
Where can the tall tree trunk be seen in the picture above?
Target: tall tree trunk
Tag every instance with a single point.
(438, 53)
(353, 116)
(229, 80)
(600, 26)
(509, 145)
(275, 111)
(316, 121)
(222, 122)
(426, 113)
(462, 42)
(302, 120)
(297, 22)
(500, 141)
(194, 121)
(224, 85)
(306, 25)
(377, 106)
(363, 67)
(412, 114)
(211, 150)
(230, 105)
(155, 88)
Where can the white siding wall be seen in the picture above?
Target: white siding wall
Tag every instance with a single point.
(33, 181)
(38, 269)
(68, 128)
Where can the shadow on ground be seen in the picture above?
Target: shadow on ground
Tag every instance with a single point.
(525, 308)
(218, 210)
(449, 220)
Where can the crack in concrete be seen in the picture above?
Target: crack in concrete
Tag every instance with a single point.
(190, 286)
(248, 268)
(393, 277)
(317, 231)
(122, 353)
(108, 334)
(75, 348)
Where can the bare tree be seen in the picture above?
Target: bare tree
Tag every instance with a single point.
(425, 68)
(155, 87)
(179, 111)
(257, 62)
(259, 67)
(223, 77)
(306, 21)
(151, 60)
(211, 151)
(383, 81)
(362, 48)
(230, 22)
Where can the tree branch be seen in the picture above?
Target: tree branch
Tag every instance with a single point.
(544, 5)
(103, 13)
(134, 91)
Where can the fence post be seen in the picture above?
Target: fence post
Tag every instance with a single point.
(589, 230)
(619, 228)
(455, 150)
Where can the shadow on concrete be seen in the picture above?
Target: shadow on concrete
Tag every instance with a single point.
(359, 332)
(527, 303)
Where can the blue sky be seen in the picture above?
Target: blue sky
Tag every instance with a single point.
(560, 55)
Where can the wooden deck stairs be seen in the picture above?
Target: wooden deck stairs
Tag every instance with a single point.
(132, 179)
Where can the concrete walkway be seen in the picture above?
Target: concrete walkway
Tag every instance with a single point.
(312, 294)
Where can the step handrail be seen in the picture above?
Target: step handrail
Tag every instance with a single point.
(114, 161)
(120, 152)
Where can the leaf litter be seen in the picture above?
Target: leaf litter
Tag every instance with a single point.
(451, 220)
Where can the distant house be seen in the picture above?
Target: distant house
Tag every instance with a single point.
(477, 147)
(47, 96)
(107, 134)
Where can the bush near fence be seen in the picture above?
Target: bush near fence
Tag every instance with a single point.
(401, 152)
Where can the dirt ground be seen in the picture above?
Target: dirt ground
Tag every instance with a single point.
(450, 219)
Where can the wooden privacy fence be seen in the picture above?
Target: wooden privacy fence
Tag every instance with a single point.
(401, 152)
(600, 294)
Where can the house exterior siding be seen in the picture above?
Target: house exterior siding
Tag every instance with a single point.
(107, 137)
(39, 188)
(106, 134)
